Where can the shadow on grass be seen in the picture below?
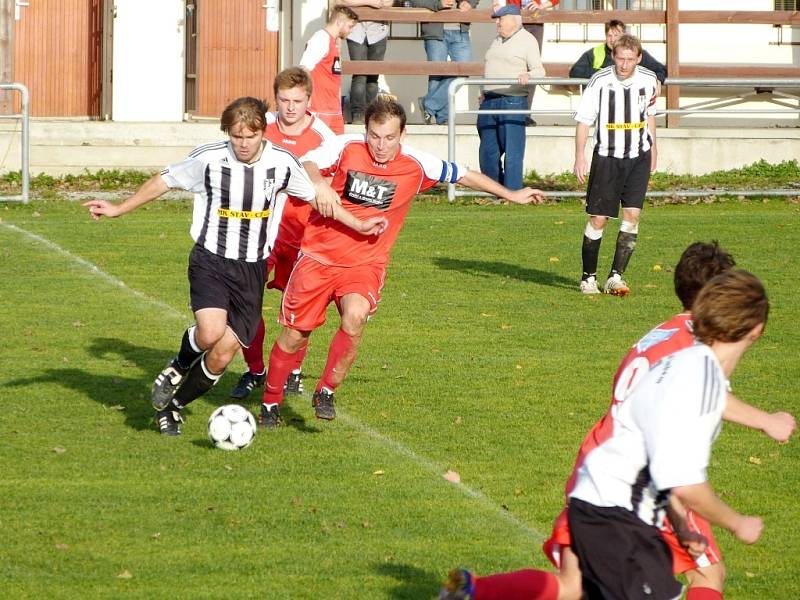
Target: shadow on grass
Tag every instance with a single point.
(412, 582)
(503, 269)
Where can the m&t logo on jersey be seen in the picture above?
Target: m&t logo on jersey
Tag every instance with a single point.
(368, 190)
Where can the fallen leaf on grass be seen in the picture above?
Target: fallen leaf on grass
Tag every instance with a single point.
(379, 472)
(117, 407)
(62, 547)
(519, 492)
(452, 476)
(754, 460)
(749, 574)
(156, 536)
(125, 575)
(656, 268)
(519, 366)
(228, 468)
(457, 421)
(554, 259)
(297, 501)
(59, 450)
(505, 326)
(560, 222)
(366, 525)
(488, 315)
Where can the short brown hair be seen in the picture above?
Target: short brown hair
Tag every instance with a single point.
(250, 112)
(699, 262)
(291, 78)
(614, 24)
(628, 42)
(729, 306)
(343, 11)
(384, 108)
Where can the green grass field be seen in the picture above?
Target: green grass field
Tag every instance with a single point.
(483, 359)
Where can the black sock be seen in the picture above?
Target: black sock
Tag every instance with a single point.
(196, 383)
(590, 253)
(187, 354)
(626, 242)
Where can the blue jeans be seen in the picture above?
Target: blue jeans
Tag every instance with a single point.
(456, 45)
(502, 147)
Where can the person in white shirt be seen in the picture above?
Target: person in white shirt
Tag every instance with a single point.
(655, 461)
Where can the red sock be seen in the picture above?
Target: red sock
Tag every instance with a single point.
(280, 365)
(527, 584)
(341, 353)
(703, 593)
(254, 355)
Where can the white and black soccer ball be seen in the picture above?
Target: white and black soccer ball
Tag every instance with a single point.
(231, 427)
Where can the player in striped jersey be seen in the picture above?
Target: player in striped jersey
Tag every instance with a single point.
(322, 59)
(659, 450)
(292, 127)
(705, 572)
(238, 185)
(372, 174)
(620, 102)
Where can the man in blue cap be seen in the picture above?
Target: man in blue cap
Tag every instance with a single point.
(514, 54)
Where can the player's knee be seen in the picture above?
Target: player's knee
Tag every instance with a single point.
(291, 340)
(597, 224)
(353, 323)
(593, 233)
(208, 336)
(712, 576)
(628, 226)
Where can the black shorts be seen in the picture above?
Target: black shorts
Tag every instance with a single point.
(621, 556)
(615, 181)
(235, 286)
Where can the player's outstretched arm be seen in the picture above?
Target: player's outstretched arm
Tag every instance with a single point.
(150, 190)
(482, 183)
(779, 425)
(700, 497)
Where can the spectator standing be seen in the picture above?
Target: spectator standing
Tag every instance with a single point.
(367, 41)
(322, 59)
(601, 56)
(443, 40)
(513, 54)
(533, 8)
(620, 102)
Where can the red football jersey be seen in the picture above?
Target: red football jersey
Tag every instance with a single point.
(295, 211)
(368, 188)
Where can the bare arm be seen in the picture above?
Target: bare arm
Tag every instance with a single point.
(779, 426)
(482, 183)
(694, 542)
(150, 190)
(581, 168)
(701, 499)
(326, 196)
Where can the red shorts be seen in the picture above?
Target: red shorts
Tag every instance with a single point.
(280, 263)
(681, 560)
(312, 286)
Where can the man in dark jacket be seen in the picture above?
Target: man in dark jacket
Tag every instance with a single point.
(443, 40)
(601, 56)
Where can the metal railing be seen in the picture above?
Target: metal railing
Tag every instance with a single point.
(718, 105)
(24, 140)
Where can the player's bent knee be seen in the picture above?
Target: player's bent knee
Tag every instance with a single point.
(712, 576)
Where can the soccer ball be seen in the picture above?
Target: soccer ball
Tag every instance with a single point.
(231, 427)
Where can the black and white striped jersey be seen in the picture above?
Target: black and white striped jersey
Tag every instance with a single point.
(619, 111)
(234, 201)
(662, 436)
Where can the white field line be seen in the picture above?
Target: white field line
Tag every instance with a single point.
(95, 270)
(435, 469)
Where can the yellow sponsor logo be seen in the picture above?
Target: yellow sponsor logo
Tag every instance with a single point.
(639, 125)
(242, 214)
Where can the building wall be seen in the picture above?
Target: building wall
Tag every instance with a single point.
(148, 78)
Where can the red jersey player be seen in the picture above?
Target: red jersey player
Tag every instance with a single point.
(321, 58)
(294, 128)
(703, 570)
(372, 174)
